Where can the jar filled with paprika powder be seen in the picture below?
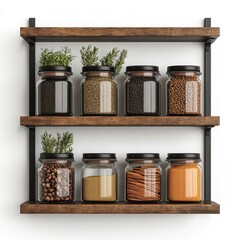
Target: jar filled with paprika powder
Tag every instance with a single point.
(184, 177)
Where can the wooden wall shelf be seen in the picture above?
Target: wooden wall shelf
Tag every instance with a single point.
(167, 34)
(206, 35)
(119, 208)
(119, 121)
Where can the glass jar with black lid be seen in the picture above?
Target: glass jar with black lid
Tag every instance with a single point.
(99, 91)
(143, 177)
(184, 177)
(54, 91)
(99, 177)
(183, 90)
(56, 178)
(142, 90)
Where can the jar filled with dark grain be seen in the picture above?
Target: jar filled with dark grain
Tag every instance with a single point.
(54, 91)
(56, 178)
(184, 90)
(142, 90)
(99, 91)
(143, 177)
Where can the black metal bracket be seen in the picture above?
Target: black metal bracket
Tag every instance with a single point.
(207, 112)
(207, 164)
(32, 111)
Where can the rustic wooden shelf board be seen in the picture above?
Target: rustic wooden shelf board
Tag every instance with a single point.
(119, 208)
(166, 34)
(118, 121)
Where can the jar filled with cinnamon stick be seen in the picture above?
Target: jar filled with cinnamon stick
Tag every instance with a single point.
(143, 177)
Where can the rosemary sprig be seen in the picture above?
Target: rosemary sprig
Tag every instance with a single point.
(62, 144)
(66, 143)
(89, 56)
(110, 58)
(120, 61)
(48, 143)
(114, 58)
(56, 58)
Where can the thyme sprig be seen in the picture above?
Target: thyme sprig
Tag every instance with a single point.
(62, 144)
(56, 58)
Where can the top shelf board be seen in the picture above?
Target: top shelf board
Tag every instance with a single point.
(32, 121)
(112, 34)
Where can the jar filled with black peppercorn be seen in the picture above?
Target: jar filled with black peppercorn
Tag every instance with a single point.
(142, 90)
(54, 91)
(183, 90)
(56, 178)
(99, 91)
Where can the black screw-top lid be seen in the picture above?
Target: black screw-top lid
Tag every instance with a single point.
(60, 156)
(143, 156)
(99, 156)
(184, 68)
(181, 156)
(142, 68)
(98, 68)
(54, 68)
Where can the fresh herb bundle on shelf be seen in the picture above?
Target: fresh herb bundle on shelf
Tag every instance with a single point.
(60, 144)
(56, 58)
(115, 58)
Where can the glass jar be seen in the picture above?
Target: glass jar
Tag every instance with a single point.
(183, 90)
(99, 91)
(99, 177)
(54, 91)
(143, 177)
(184, 177)
(142, 90)
(56, 178)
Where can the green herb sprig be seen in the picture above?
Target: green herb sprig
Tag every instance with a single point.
(62, 144)
(114, 58)
(110, 58)
(56, 58)
(89, 56)
(120, 61)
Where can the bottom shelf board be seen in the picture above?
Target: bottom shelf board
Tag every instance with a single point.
(120, 208)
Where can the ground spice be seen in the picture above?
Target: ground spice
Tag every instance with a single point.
(100, 188)
(185, 183)
(143, 184)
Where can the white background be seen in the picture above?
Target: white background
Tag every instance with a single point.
(225, 99)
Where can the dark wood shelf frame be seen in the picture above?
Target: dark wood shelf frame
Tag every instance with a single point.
(69, 34)
(120, 208)
(33, 121)
(206, 34)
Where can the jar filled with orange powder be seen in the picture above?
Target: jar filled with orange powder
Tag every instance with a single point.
(184, 177)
